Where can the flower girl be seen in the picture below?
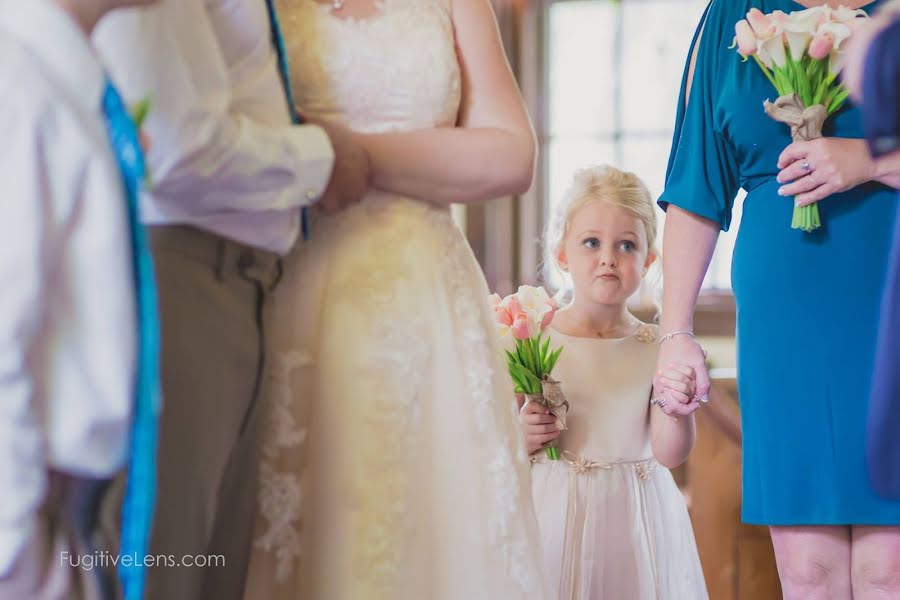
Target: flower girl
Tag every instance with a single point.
(613, 523)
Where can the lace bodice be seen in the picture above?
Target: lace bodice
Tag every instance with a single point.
(395, 71)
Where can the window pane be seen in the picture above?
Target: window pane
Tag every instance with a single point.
(647, 158)
(719, 274)
(565, 156)
(656, 37)
(580, 67)
(613, 77)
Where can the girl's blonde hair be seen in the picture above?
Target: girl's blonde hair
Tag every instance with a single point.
(600, 183)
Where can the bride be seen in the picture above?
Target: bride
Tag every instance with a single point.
(393, 468)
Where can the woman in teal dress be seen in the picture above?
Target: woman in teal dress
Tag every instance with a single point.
(807, 309)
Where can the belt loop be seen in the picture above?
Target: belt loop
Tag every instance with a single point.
(220, 260)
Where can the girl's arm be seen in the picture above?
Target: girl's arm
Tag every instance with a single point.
(671, 436)
(491, 151)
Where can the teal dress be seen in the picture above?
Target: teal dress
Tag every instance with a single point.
(807, 304)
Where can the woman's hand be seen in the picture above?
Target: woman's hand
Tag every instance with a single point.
(812, 171)
(682, 380)
(539, 426)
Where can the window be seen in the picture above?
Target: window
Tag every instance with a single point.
(611, 79)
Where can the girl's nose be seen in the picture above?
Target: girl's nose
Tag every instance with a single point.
(608, 260)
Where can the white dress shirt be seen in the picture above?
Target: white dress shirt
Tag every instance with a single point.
(224, 156)
(67, 314)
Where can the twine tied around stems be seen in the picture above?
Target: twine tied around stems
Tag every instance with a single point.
(806, 124)
(553, 398)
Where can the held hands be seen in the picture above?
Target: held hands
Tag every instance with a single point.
(682, 381)
(351, 174)
(539, 426)
(812, 171)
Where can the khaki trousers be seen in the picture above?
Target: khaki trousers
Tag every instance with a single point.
(213, 294)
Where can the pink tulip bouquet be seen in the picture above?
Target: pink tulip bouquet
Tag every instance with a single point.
(525, 316)
(800, 55)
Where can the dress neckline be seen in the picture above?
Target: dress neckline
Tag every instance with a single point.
(328, 11)
(644, 332)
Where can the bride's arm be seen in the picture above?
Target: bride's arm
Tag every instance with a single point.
(490, 153)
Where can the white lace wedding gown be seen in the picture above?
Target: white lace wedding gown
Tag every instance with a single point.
(394, 468)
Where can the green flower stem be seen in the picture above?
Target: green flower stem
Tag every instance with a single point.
(528, 367)
(765, 71)
(806, 218)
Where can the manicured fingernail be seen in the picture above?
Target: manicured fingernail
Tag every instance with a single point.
(781, 191)
(704, 398)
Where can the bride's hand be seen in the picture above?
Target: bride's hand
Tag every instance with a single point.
(539, 426)
(351, 173)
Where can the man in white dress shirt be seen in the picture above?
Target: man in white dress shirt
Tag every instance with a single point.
(230, 174)
(67, 306)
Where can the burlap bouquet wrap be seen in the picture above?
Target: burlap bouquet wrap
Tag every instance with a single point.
(553, 398)
(806, 124)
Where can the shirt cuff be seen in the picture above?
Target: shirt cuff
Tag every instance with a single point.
(316, 162)
(13, 539)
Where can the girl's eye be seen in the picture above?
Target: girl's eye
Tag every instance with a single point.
(627, 246)
(591, 243)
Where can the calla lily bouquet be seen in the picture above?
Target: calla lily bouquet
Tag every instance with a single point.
(800, 54)
(525, 316)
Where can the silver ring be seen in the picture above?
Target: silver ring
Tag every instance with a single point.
(806, 166)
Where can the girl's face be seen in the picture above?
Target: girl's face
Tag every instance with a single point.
(606, 253)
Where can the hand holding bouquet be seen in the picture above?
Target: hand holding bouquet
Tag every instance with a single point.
(800, 54)
(525, 316)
